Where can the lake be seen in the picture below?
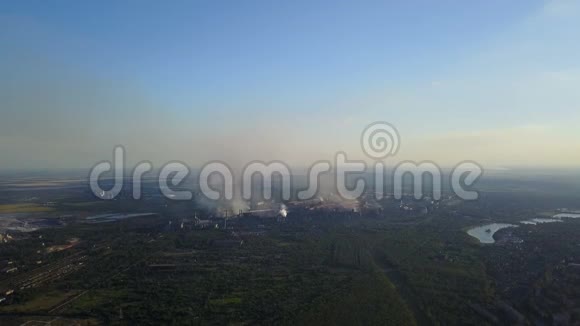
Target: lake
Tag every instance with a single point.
(481, 232)
(536, 221)
(566, 215)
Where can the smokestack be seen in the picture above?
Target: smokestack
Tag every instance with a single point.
(283, 211)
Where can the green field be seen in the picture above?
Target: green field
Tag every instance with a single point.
(42, 302)
(24, 208)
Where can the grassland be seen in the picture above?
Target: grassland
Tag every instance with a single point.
(24, 208)
(41, 303)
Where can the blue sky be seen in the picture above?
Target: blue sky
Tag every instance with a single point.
(299, 80)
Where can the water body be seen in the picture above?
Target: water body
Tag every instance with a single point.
(482, 234)
(117, 216)
(485, 233)
(566, 215)
(536, 221)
